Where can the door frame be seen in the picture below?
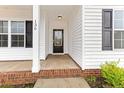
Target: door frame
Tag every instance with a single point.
(62, 42)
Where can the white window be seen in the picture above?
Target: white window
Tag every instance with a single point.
(17, 33)
(3, 33)
(119, 29)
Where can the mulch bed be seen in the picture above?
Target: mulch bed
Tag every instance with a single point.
(99, 82)
(30, 85)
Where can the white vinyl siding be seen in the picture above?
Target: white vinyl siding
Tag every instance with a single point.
(75, 36)
(94, 56)
(44, 37)
(15, 54)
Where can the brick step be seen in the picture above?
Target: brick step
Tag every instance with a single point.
(24, 77)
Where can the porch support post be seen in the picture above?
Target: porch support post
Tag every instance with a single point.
(36, 39)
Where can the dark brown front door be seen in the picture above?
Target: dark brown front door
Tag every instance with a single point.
(57, 40)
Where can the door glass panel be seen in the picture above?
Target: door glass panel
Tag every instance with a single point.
(58, 38)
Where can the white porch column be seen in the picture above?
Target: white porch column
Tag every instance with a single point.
(36, 39)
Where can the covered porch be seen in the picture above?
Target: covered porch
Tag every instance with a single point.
(53, 62)
(29, 37)
(60, 29)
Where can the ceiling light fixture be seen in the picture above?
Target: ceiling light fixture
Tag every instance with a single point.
(59, 17)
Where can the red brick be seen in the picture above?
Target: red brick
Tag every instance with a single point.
(23, 77)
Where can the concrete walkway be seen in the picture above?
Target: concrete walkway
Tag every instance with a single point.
(62, 83)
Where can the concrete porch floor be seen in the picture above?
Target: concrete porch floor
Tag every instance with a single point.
(58, 62)
(52, 62)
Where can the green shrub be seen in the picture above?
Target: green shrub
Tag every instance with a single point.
(113, 74)
(91, 79)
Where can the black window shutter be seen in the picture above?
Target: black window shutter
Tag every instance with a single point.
(107, 29)
(29, 34)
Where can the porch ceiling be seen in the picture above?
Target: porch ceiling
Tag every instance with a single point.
(16, 7)
(55, 10)
(16, 12)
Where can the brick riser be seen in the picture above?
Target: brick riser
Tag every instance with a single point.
(23, 77)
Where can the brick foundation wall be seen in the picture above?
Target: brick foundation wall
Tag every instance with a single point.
(24, 77)
(91, 72)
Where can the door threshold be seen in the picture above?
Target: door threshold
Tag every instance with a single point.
(58, 53)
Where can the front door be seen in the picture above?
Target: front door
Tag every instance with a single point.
(57, 40)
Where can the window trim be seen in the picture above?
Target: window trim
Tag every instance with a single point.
(17, 33)
(115, 49)
(9, 33)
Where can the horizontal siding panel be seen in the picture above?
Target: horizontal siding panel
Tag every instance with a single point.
(99, 64)
(94, 28)
(93, 36)
(96, 44)
(103, 6)
(92, 16)
(93, 21)
(93, 25)
(104, 53)
(98, 14)
(93, 10)
(76, 37)
(94, 31)
(16, 54)
(102, 60)
(92, 50)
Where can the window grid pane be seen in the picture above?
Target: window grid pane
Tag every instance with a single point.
(119, 19)
(3, 26)
(119, 39)
(17, 41)
(3, 40)
(17, 27)
(117, 44)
